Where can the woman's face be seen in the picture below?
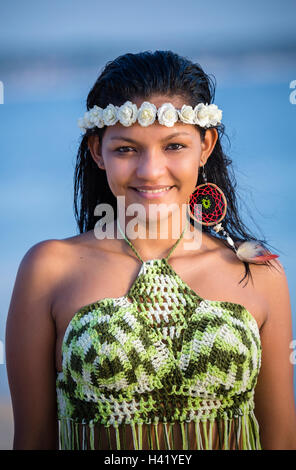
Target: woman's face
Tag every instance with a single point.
(153, 156)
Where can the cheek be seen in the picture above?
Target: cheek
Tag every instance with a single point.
(117, 174)
(187, 170)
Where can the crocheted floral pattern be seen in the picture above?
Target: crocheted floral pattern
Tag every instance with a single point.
(160, 353)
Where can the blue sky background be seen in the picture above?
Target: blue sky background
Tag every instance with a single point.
(51, 54)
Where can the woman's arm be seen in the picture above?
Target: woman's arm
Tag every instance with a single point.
(30, 351)
(274, 395)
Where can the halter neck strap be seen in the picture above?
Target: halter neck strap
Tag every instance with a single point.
(134, 249)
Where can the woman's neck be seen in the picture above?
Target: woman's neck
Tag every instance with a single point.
(154, 240)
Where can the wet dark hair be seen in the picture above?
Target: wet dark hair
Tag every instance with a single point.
(143, 75)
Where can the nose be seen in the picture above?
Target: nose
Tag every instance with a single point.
(150, 165)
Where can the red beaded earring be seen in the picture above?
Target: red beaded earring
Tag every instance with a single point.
(213, 209)
(212, 200)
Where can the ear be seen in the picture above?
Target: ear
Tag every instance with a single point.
(208, 144)
(94, 147)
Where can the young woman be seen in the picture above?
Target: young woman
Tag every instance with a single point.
(152, 342)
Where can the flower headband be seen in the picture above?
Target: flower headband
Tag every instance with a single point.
(204, 115)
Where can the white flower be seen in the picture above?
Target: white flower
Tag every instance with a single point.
(81, 124)
(207, 115)
(186, 114)
(99, 122)
(110, 115)
(87, 120)
(127, 113)
(96, 116)
(147, 114)
(167, 115)
(204, 115)
(92, 118)
(215, 114)
(201, 115)
(93, 113)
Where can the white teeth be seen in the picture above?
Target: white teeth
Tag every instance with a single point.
(154, 190)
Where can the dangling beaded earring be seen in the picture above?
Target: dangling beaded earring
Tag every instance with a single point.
(214, 207)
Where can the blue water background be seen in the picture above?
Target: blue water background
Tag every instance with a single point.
(38, 148)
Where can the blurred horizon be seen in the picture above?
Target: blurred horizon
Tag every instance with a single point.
(67, 53)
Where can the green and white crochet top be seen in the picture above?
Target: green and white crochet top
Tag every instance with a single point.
(159, 368)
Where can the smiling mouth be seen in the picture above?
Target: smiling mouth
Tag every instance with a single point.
(154, 191)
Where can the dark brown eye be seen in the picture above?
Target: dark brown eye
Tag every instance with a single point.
(125, 149)
(174, 145)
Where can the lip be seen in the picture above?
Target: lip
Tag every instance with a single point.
(153, 195)
(159, 186)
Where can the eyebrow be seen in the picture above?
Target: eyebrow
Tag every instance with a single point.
(128, 139)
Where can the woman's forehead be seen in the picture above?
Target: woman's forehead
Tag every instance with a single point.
(155, 132)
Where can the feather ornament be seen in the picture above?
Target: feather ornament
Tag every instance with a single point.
(249, 251)
(253, 252)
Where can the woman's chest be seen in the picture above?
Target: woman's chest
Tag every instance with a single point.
(87, 286)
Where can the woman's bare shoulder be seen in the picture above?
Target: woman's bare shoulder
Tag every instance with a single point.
(47, 261)
(58, 257)
(270, 280)
(274, 283)
(55, 248)
(45, 254)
